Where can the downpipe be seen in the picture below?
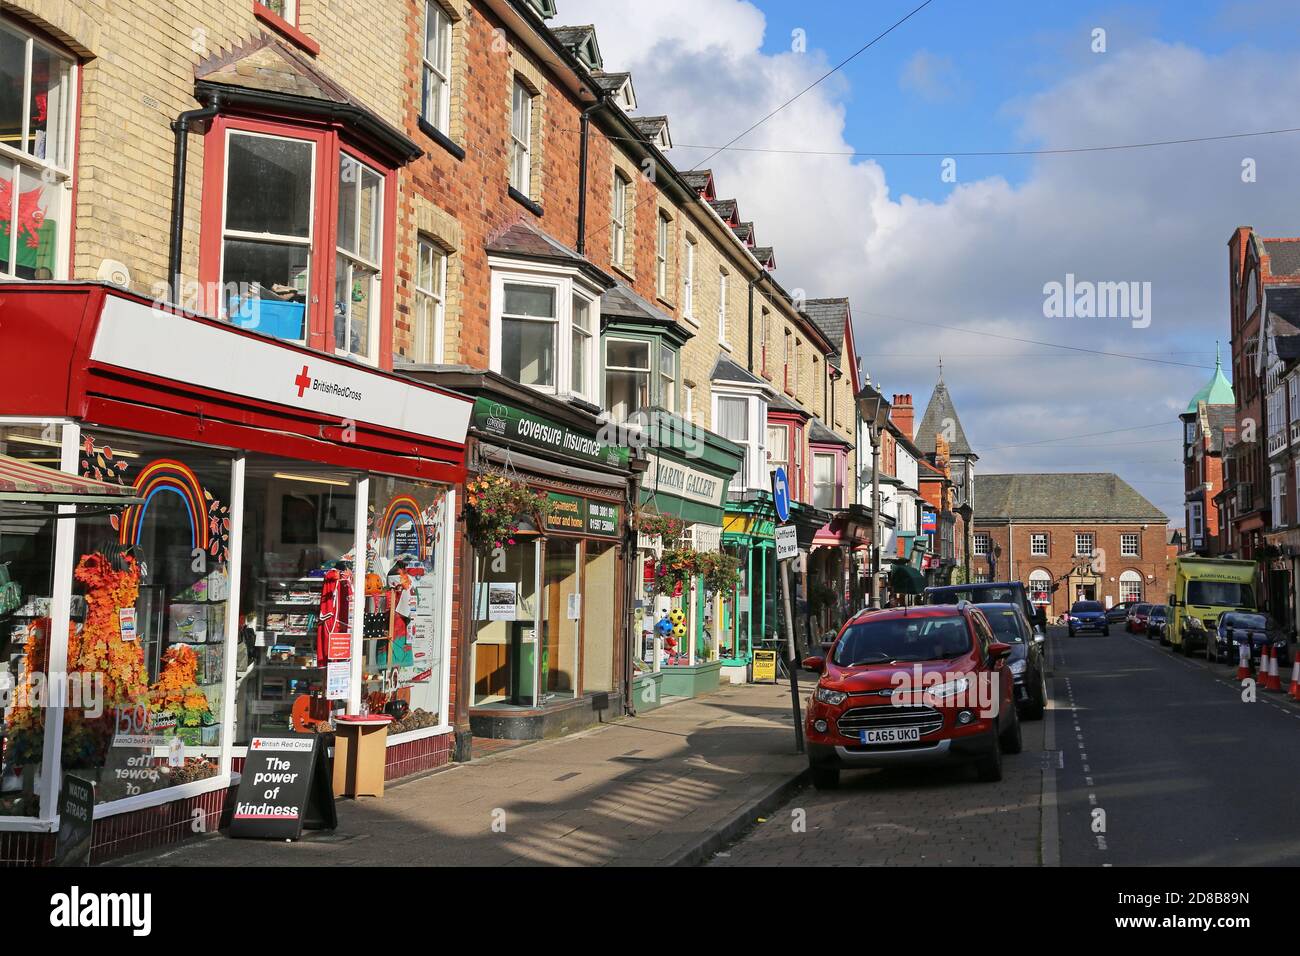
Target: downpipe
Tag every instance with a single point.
(181, 127)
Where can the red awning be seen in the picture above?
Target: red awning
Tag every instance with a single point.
(21, 481)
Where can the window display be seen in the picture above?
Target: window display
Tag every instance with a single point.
(151, 595)
(403, 666)
(26, 589)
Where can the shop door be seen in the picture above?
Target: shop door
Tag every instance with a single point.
(505, 647)
(563, 603)
(599, 599)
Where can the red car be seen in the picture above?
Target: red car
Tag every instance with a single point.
(1136, 623)
(912, 685)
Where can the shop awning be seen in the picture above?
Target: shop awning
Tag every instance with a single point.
(905, 579)
(34, 484)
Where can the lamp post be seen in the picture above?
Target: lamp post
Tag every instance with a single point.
(873, 411)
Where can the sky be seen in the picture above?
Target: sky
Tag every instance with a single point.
(952, 256)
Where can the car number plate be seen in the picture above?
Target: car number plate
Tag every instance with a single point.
(892, 735)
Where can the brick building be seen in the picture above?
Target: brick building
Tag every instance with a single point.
(1070, 537)
(1209, 427)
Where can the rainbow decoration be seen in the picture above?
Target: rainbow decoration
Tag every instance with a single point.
(167, 476)
(403, 506)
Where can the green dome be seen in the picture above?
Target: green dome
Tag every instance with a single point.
(1217, 391)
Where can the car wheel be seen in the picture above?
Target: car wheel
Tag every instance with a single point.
(1187, 648)
(1105, 632)
(826, 778)
(1072, 634)
(989, 769)
(1012, 742)
(1037, 701)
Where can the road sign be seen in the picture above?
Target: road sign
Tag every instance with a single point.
(781, 494)
(787, 543)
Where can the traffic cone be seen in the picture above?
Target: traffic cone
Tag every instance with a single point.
(1243, 662)
(1294, 692)
(1273, 681)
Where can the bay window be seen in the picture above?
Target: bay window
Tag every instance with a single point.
(435, 106)
(529, 333)
(627, 377)
(826, 489)
(732, 421)
(37, 110)
(778, 447)
(667, 379)
(544, 328)
(356, 270)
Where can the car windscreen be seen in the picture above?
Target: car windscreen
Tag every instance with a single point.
(1220, 593)
(976, 595)
(903, 639)
(1255, 622)
(1087, 606)
(1005, 623)
(1158, 611)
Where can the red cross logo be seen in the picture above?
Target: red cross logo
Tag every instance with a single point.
(303, 381)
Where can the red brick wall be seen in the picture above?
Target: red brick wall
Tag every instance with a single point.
(1017, 563)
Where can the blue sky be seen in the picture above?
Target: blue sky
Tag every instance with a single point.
(913, 252)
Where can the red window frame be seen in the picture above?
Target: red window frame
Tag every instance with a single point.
(330, 142)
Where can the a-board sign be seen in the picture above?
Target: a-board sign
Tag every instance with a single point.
(76, 822)
(787, 542)
(286, 787)
(764, 667)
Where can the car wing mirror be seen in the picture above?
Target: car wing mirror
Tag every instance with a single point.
(814, 664)
(999, 651)
(1039, 637)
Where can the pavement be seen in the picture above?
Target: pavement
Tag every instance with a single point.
(667, 788)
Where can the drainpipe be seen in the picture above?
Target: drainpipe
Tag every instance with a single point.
(181, 127)
(584, 128)
(762, 274)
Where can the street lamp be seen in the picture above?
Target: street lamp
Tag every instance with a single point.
(873, 411)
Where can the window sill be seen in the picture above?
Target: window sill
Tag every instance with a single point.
(724, 345)
(666, 303)
(286, 29)
(441, 138)
(629, 276)
(691, 320)
(524, 201)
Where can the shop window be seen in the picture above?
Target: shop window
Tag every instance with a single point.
(561, 620)
(37, 86)
(599, 630)
(151, 607)
(435, 107)
(506, 616)
(405, 640)
(26, 595)
(297, 573)
(357, 267)
(430, 301)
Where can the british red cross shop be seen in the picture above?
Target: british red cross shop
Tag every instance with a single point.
(206, 535)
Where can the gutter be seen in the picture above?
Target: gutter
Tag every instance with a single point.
(180, 155)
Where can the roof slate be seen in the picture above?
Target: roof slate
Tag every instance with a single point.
(1068, 496)
(938, 414)
(1283, 256)
(831, 316)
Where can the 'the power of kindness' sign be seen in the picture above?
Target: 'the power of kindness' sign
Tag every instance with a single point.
(285, 787)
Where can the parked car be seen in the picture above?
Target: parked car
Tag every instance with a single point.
(1259, 631)
(1136, 622)
(867, 712)
(1087, 616)
(1026, 661)
(1157, 620)
(1118, 613)
(985, 592)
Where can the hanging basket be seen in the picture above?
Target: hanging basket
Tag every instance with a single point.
(495, 504)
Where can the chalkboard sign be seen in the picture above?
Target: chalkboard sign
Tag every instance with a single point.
(76, 822)
(285, 788)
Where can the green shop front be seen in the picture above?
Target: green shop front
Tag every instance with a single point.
(541, 625)
(748, 530)
(687, 478)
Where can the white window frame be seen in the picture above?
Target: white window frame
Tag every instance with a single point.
(355, 260)
(663, 223)
(430, 302)
(521, 117)
(667, 383)
(432, 73)
(688, 280)
(1034, 537)
(290, 14)
(650, 371)
(724, 280)
(58, 170)
(1125, 539)
(588, 349)
(305, 242)
(566, 283)
(1079, 537)
(688, 406)
(835, 485)
(1130, 578)
(618, 218)
(754, 472)
(981, 543)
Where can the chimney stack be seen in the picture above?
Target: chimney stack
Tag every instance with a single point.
(902, 414)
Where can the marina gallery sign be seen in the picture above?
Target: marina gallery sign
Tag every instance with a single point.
(672, 478)
(505, 421)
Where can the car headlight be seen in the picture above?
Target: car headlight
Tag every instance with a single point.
(1195, 623)
(1018, 667)
(832, 697)
(949, 689)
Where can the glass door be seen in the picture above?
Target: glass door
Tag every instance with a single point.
(563, 602)
(505, 658)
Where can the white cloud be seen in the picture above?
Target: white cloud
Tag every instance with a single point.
(980, 257)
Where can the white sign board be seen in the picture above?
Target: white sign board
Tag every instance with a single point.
(670, 478)
(787, 542)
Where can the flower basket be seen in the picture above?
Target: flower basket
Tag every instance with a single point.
(674, 570)
(494, 506)
(654, 525)
(719, 570)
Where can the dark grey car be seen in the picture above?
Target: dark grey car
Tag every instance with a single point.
(1027, 664)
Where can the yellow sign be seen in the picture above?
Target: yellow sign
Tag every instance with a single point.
(764, 667)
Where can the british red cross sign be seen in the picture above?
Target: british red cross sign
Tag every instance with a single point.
(303, 381)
